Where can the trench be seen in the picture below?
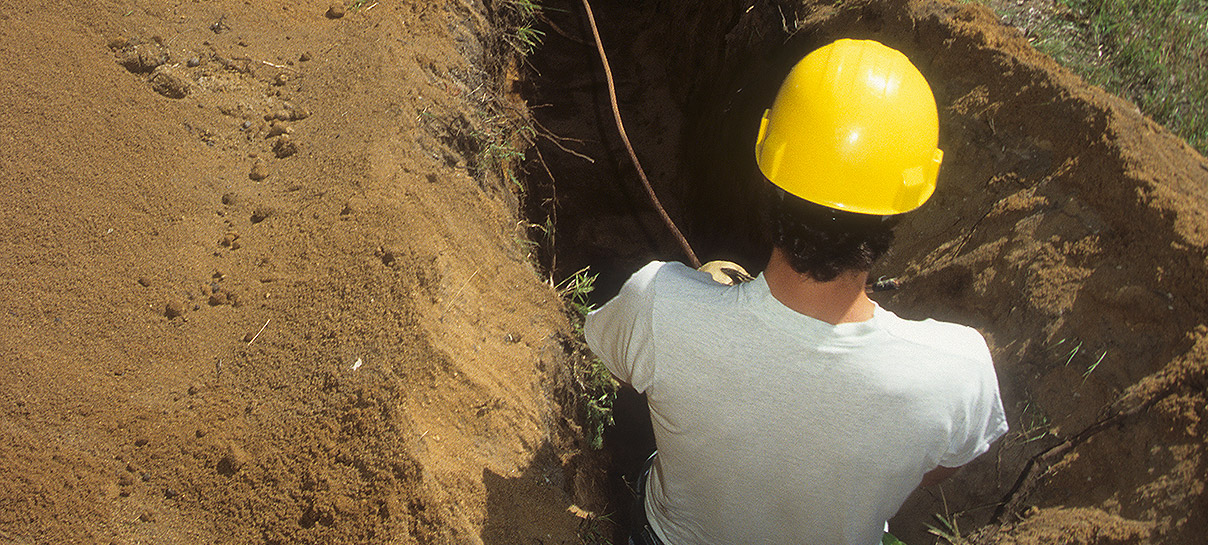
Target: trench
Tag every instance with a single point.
(692, 80)
(692, 119)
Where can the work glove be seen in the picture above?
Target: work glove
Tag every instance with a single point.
(726, 272)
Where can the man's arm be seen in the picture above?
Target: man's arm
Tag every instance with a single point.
(620, 332)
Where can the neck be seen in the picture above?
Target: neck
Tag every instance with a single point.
(838, 301)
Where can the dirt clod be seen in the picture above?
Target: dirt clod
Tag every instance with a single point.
(259, 170)
(335, 11)
(234, 459)
(298, 113)
(142, 58)
(174, 309)
(169, 81)
(278, 128)
(262, 212)
(284, 147)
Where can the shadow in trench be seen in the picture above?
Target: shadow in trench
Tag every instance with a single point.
(537, 506)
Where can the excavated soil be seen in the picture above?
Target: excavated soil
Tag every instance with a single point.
(266, 278)
(259, 289)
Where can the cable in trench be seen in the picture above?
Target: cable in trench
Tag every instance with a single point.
(616, 113)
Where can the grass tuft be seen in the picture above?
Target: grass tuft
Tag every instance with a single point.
(1152, 52)
(598, 388)
(521, 15)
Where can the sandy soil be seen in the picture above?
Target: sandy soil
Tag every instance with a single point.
(265, 278)
(258, 289)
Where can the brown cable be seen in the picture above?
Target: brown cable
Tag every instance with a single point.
(616, 112)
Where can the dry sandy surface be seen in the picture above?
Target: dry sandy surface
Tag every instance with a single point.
(261, 286)
(253, 292)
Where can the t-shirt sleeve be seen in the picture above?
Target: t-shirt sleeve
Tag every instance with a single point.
(983, 418)
(621, 332)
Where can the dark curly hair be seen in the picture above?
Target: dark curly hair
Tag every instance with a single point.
(824, 242)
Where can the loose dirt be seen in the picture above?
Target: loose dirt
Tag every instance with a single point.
(266, 279)
(257, 288)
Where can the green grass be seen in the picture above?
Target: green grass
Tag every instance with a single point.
(1034, 423)
(1152, 52)
(576, 289)
(520, 16)
(948, 530)
(597, 386)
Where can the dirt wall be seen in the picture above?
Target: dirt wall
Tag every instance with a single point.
(262, 285)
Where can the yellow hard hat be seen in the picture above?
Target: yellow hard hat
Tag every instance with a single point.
(853, 127)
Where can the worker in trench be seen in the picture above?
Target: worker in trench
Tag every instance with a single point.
(792, 408)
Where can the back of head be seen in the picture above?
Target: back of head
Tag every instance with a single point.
(850, 139)
(824, 242)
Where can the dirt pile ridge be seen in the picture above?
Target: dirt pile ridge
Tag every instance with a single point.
(259, 287)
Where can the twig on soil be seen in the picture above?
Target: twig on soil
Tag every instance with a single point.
(555, 139)
(1040, 464)
(280, 66)
(458, 294)
(257, 335)
(969, 234)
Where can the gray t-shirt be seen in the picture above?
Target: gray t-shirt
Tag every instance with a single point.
(774, 427)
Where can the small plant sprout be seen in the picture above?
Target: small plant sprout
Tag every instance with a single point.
(1093, 366)
(522, 36)
(576, 289)
(1034, 423)
(948, 529)
(1073, 352)
(596, 529)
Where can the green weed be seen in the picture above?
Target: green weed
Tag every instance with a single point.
(1152, 52)
(597, 385)
(576, 289)
(597, 530)
(600, 393)
(948, 530)
(520, 16)
(1091, 368)
(1034, 423)
(1073, 352)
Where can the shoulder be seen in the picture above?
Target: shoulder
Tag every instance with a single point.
(939, 337)
(669, 279)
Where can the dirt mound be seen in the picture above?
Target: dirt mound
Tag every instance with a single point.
(1067, 227)
(261, 287)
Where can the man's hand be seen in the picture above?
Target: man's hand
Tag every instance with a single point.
(726, 272)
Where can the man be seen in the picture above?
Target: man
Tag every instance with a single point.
(792, 408)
